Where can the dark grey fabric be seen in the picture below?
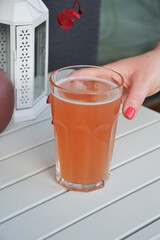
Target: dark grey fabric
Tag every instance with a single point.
(77, 45)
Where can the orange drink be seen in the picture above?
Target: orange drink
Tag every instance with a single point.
(85, 111)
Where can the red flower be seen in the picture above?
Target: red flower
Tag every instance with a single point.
(66, 18)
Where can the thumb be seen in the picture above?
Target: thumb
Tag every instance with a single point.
(134, 99)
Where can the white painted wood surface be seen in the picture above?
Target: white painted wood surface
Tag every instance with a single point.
(118, 219)
(34, 206)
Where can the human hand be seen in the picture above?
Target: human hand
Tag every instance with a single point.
(141, 79)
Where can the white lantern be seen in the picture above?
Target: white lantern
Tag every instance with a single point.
(24, 53)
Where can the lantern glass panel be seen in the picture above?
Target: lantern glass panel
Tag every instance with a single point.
(5, 48)
(40, 57)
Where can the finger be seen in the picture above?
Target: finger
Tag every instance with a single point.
(125, 67)
(134, 99)
(158, 45)
(97, 72)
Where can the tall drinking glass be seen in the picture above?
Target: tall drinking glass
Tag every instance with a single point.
(85, 102)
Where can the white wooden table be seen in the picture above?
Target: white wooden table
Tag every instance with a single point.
(34, 206)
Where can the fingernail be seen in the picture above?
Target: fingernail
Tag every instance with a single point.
(130, 112)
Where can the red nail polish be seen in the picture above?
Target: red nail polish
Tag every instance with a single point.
(130, 112)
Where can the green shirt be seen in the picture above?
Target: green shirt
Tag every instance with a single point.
(127, 28)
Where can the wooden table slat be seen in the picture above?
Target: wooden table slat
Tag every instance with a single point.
(38, 159)
(70, 207)
(136, 144)
(15, 126)
(143, 118)
(116, 217)
(42, 130)
(25, 138)
(26, 164)
(34, 206)
(151, 231)
(30, 193)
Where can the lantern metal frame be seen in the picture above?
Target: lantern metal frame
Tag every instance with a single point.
(24, 53)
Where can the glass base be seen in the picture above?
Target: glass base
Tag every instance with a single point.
(81, 187)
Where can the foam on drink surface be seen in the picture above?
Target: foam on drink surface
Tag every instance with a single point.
(95, 89)
(86, 85)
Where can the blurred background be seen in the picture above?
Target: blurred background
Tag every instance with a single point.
(77, 45)
(108, 30)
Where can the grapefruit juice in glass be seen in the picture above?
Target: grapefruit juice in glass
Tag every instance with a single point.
(85, 102)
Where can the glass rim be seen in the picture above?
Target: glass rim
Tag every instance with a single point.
(53, 84)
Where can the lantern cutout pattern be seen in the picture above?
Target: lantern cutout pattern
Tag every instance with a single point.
(24, 54)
